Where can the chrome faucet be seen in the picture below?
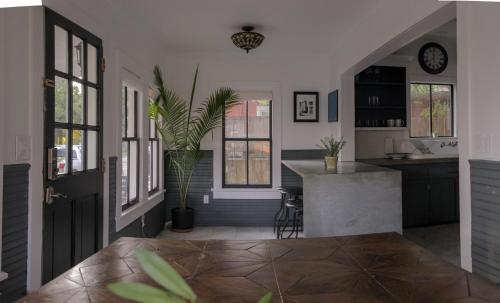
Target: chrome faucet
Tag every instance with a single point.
(453, 143)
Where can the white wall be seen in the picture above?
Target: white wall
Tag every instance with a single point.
(293, 72)
(23, 94)
(371, 144)
(479, 106)
(363, 46)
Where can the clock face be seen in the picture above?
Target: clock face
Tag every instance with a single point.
(433, 58)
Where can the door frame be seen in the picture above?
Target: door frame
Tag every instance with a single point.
(52, 18)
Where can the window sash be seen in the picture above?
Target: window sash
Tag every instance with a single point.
(452, 109)
(247, 140)
(130, 136)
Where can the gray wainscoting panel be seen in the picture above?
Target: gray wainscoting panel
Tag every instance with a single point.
(15, 231)
(228, 212)
(154, 219)
(485, 195)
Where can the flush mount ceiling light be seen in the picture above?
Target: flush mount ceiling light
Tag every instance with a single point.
(247, 39)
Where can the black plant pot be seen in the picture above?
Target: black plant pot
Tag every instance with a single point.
(182, 219)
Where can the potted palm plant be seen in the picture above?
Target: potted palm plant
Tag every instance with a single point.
(332, 149)
(182, 130)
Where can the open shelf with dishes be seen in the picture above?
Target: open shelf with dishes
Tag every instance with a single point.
(380, 98)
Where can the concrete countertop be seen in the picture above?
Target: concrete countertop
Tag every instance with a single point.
(317, 167)
(390, 162)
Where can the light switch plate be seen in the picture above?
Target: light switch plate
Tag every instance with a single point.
(206, 199)
(23, 148)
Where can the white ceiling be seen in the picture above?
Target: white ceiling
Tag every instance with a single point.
(206, 25)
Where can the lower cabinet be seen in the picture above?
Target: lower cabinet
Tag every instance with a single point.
(430, 194)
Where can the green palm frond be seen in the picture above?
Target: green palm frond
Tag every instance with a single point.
(209, 115)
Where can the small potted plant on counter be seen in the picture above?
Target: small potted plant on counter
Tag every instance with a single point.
(332, 148)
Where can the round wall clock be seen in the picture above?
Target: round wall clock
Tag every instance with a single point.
(433, 58)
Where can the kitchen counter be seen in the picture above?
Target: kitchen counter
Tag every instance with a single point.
(389, 162)
(317, 167)
(356, 198)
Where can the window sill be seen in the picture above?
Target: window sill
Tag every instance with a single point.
(246, 193)
(136, 211)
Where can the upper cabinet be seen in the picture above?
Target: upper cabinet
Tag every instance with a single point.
(380, 97)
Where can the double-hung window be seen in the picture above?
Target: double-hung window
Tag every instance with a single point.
(247, 145)
(130, 147)
(431, 110)
(153, 155)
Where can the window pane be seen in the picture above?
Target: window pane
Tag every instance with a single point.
(61, 143)
(420, 110)
(442, 110)
(124, 115)
(235, 123)
(152, 129)
(77, 103)
(78, 151)
(92, 148)
(61, 49)
(150, 163)
(133, 170)
(124, 173)
(259, 166)
(92, 63)
(61, 100)
(155, 164)
(78, 57)
(259, 118)
(91, 106)
(131, 100)
(236, 157)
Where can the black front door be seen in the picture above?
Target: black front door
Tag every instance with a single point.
(72, 225)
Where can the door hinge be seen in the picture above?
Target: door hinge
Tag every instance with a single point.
(48, 83)
(103, 166)
(103, 64)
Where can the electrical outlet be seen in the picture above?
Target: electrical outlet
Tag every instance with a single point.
(206, 199)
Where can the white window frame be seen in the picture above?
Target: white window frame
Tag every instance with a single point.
(256, 90)
(145, 201)
(157, 138)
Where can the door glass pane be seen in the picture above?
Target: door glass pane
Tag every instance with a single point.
(133, 177)
(92, 63)
(235, 121)
(259, 118)
(420, 110)
(78, 150)
(91, 106)
(155, 164)
(124, 173)
(92, 145)
(61, 49)
(442, 110)
(61, 143)
(78, 57)
(61, 100)
(77, 103)
(235, 162)
(131, 95)
(259, 166)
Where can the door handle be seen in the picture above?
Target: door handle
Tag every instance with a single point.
(50, 195)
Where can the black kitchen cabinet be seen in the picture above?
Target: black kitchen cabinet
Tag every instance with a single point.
(415, 206)
(380, 94)
(430, 193)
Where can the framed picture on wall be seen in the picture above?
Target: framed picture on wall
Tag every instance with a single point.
(333, 106)
(306, 106)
